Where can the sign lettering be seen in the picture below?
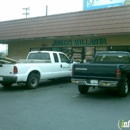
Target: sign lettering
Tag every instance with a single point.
(101, 41)
(80, 42)
(62, 43)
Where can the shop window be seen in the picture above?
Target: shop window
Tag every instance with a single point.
(56, 49)
(118, 48)
(67, 51)
(101, 48)
(77, 54)
(88, 54)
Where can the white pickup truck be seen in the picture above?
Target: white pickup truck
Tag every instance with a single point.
(39, 65)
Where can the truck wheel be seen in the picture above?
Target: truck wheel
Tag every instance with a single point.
(123, 88)
(6, 85)
(83, 89)
(32, 81)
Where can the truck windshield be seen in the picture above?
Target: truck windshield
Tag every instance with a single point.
(112, 58)
(39, 56)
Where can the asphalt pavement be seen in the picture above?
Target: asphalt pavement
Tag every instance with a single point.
(59, 106)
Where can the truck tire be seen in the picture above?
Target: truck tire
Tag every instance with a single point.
(123, 88)
(6, 85)
(32, 81)
(83, 89)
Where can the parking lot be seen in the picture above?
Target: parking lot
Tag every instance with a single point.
(59, 106)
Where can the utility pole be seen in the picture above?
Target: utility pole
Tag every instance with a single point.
(26, 11)
(46, 10)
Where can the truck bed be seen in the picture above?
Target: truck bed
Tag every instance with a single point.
(96, 71)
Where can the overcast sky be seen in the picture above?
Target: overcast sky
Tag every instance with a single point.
(13, 9)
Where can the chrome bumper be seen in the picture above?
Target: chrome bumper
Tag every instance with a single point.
(101, 83)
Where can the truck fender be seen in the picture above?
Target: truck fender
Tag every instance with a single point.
(33, 70)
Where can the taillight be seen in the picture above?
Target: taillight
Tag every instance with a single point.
(118, 73)
(15, 70)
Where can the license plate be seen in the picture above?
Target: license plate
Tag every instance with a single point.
(94, 81)
(1, 78)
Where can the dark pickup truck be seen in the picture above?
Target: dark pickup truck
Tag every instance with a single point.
(110, 69)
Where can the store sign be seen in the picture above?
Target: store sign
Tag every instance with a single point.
(80, 42)
(96, 4)
(62, 43)
(101, 41)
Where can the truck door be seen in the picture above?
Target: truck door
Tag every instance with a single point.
(56, 67)
(65, 66)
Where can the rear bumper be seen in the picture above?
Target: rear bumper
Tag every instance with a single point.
(10, 79)
(101, 83)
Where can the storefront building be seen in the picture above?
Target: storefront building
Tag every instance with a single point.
(83, 49)
(80, 35)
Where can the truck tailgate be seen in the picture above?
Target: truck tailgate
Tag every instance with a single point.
(95, 71)
(6, 69)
